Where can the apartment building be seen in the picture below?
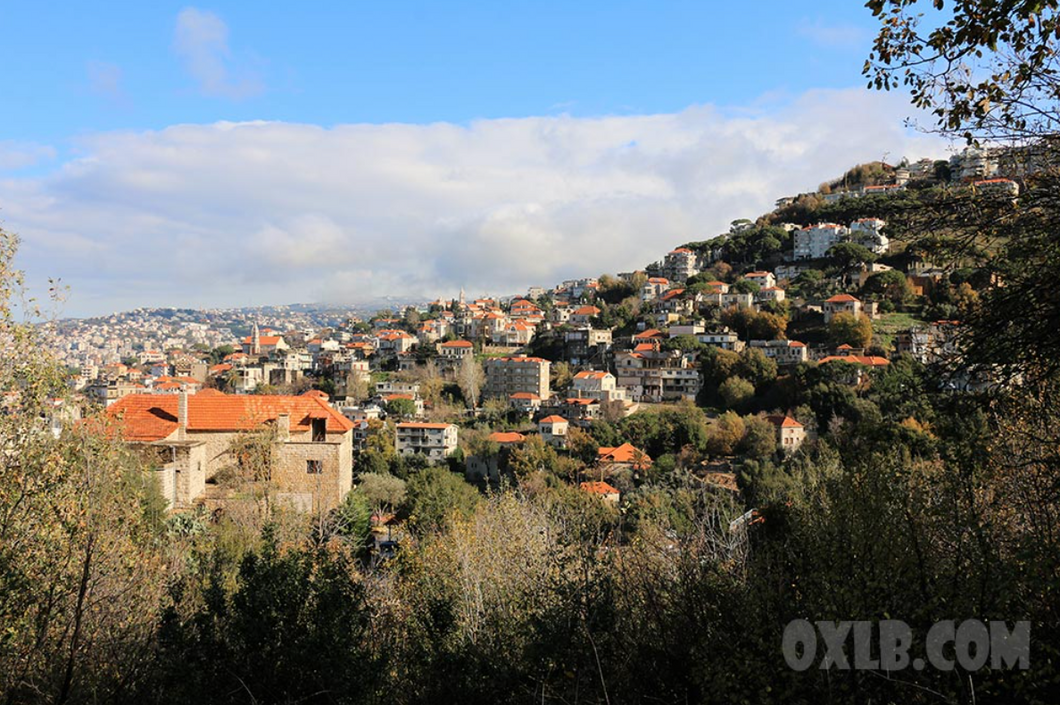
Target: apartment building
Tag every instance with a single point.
(815, 241)
(679, 265)
(434, 440)
(506, 376)
(657, 376)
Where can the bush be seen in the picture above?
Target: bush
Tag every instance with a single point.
(736, 392)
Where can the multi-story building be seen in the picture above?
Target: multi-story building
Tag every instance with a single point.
(679, 265)
(593, 384)
(654, 288)
(587, 345)
(790, 433)
(841, 303)
(455, 349)
(815, 241)
(657, 376)
(506, 376)
(553, 430)
(868, 232)
(784, 352)
(723, 338)
(434, 440)
(762, 279)
(109, 391)
(195, 436)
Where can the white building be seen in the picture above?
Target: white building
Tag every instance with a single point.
(592, 384)
(815, 241)
(762, 279)
(679, 265)
(553, 430)
(784, 352)
(868, 232)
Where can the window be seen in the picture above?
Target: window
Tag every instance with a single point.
(314, 467)
(320, 432)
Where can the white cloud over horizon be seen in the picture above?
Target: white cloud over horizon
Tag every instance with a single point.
(200, 39)
(233, 214)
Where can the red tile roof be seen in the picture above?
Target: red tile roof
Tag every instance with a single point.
(151, 417)
(598, 488)
(841, 299)
(457, 344)
(510, 437)
(868, 360)
(783, 421)
(625, 453)
(553, 419)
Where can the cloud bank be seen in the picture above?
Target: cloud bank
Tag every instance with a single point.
(264, 213)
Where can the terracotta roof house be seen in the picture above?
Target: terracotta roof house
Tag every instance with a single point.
(192, 437)
(841, 303)
(790, 433)
(624, 455)
(506, 438)
(604, 490)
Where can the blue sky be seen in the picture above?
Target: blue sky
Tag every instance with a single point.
(93, 161)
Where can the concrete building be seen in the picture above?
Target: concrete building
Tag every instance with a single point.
(679, 265)
(434, 440)
(591, 384)
(762, 279)
(815, 241)
(868, 232)
(657, 376)
(506, 376)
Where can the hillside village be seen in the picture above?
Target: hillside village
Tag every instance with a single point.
(722, 360)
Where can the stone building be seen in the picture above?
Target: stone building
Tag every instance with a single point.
(192, 437)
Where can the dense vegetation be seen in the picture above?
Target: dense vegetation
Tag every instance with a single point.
(913, 503)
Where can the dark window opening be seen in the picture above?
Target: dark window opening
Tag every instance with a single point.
(320, 430)
(314, 467)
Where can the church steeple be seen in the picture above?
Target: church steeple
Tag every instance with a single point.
(255, 341)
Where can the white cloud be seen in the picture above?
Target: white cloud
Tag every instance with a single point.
(201, 41)
(255, 213)
(105, 80)
(834, 36)
(19, 155)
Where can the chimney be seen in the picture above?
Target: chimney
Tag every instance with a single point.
(182, 415)
(283, 427)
